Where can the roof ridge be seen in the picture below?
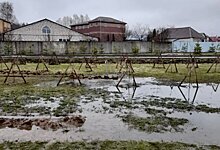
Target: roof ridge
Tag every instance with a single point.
(46, 19)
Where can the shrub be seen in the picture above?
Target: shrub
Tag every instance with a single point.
(197, 49)
(82, 48)
(94, 51)
(212, 48)
(135, 49)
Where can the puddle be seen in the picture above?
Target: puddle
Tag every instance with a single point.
(53, 104)
(47, 84)
(101, 114)
(149, 87)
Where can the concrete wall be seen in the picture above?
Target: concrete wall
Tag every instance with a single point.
(30, 48)
(188, 46)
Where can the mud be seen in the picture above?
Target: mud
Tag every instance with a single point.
(44, 123)
(159, 111)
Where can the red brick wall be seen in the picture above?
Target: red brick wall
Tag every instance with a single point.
(105, 32)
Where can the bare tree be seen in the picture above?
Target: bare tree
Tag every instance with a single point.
(139, 32)
(159, 34)
(7, 12)
(75, 19)
(141, 29)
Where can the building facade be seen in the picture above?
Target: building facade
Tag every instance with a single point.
(182, 39)
(45, 30)
(215, 39)
(103, 28)
(182, 34)
(4, 26)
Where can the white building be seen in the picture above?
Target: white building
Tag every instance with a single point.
(183, 39)
(45, 30)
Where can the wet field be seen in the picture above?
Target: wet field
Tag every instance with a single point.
(153, 111)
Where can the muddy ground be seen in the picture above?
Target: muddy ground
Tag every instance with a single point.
(153, 111)
(99, 115)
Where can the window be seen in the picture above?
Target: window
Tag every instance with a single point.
(46, 30)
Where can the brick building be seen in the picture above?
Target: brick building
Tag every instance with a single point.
(4, 25)
(103, 28)
(215, 39)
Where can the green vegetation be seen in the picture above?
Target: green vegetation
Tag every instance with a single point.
(141, 70)
(146, 70)
(197, 49)
(116, 49)
(82, 48)
(155, 123)
(101, 49)
(105, 145)
(135, 49)
(176, 104)
(168, 103)
(23, 99)
(14, 99)
(212, 48)
(8, 48)
(94, 51)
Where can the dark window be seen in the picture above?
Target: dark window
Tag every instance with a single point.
(113, 38)
(46, 30)
(60, 40)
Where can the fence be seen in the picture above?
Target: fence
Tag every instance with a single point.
(68, 47)
(188, 46)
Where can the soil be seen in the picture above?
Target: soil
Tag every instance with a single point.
(46, 124)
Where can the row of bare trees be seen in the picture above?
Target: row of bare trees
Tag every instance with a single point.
(75, 19)
(143, 32)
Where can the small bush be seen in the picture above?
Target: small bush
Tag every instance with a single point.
(135, 49)
(212, 48)
(197, 49)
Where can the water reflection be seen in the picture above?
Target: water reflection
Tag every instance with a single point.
(187, 96)
(129, 95)
(215, 87)
(150, 87)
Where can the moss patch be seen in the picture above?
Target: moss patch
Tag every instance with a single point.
(177, 104)
(154, 123)
(105, 145)
(24, 99)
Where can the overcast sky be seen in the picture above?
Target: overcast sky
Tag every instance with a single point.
(202, 15)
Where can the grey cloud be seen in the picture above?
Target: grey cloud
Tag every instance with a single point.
(203, 15)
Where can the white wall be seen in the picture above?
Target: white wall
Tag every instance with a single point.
(34, 32)
(188, 46)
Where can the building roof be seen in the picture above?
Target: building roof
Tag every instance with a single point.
(44, 20)
(101, 19)
(51, 22)
(182, 33)
(107, 20)
(79, 24)
(215, 39)
(40, 21)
